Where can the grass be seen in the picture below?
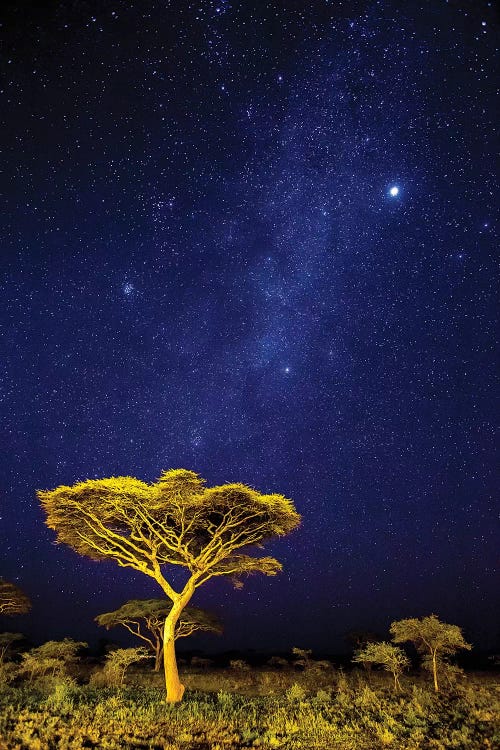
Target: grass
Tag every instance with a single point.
(231, 710)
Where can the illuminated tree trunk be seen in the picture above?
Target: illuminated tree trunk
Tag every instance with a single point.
(434, 671)
(175, 689)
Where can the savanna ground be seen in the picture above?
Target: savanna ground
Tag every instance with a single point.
(230, 709)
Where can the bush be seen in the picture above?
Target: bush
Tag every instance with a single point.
(8, 672)
(117, 663)
(240, 665)
(296, 693)
(63, 695)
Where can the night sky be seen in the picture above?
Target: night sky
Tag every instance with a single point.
(256, 240)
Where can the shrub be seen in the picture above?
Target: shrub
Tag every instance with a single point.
(302, 657)
(117, 663)
(295, 693)
(63, 695)
(8, 673)
(278, 662)
(240, 665)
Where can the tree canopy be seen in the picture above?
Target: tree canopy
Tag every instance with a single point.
(145, 618)
(174, 522)
(151, 613)
(13, 600)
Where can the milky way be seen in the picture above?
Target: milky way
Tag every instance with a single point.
(256, 240)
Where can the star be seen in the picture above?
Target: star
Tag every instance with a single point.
(270, 261)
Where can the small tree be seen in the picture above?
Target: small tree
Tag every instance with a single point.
(173, 522)
(390, 657)
(119, 660)
(13, 601)
(358, 639)
(434, 639)
(52, 657)
(145, 618)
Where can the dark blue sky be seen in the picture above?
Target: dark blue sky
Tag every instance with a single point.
(256, 240)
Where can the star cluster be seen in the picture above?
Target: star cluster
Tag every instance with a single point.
(256, 240)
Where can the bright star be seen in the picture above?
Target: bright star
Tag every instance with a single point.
(394, 191)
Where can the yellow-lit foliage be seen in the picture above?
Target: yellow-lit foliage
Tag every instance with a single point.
(392, 658)
(176, 521)
(13, 601)
(431, 637)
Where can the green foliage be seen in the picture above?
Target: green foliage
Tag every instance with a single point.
(323, 695)
(320, 665)
(226, 700)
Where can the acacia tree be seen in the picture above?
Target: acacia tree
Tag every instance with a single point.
(13, 600)
(358, 639)
(52, 657)
(392, 658)
(431, 637)
(145, 618)
(174, 522)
